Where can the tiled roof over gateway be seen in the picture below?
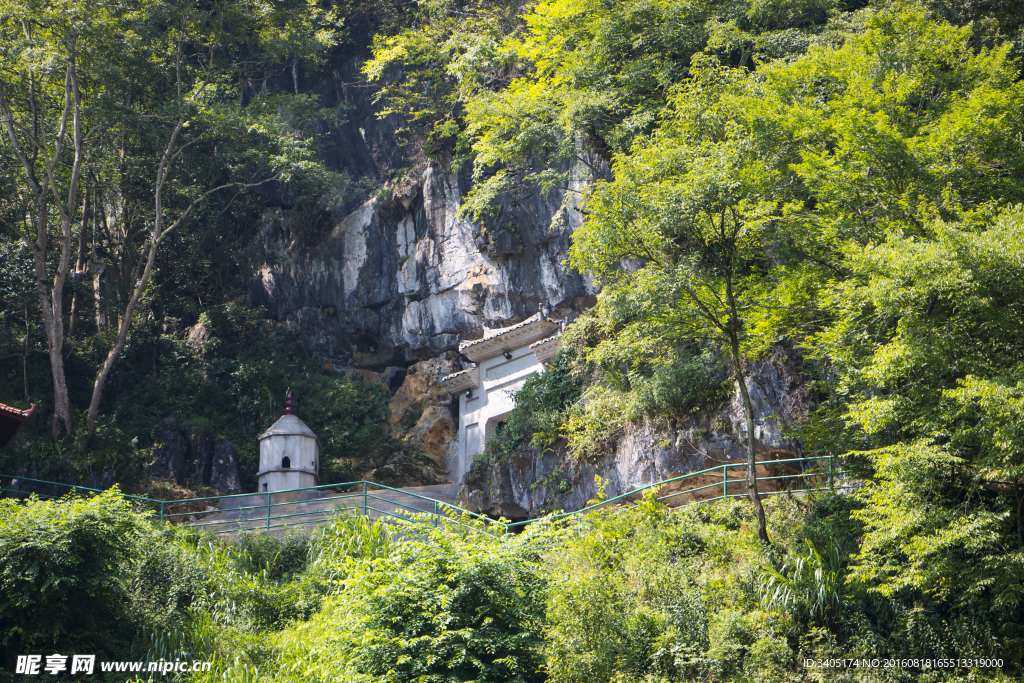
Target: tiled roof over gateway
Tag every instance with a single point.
(495, 342)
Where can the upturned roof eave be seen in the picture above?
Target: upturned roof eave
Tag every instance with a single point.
(523, 334)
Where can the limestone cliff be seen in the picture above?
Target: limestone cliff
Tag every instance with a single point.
(400, 276)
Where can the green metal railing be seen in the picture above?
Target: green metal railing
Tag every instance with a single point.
(829, 472)
(364, 501)
(243, 517)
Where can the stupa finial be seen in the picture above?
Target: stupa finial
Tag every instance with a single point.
(289, 403)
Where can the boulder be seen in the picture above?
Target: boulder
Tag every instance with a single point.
(432, 434)
(201, 444)
(419, 390)
(404, 471)
(103, 479)
(197, 459)
(169, 450)
(224, 473)
(420, 411)
(198, 334)
(488, 489)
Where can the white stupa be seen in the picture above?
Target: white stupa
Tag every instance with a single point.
(289, 454)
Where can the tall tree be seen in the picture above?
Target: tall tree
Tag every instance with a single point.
(188, 91)
(46, 62)
(689, 222)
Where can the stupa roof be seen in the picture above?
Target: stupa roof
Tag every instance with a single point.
(289, 425)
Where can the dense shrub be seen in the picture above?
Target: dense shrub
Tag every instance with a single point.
(645, 595)
(62, 571)
(444, 606)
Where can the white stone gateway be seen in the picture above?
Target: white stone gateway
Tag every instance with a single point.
(504, 359)
(289, 454)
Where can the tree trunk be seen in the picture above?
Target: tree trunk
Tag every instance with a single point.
(748, 409)
(1020, 520)
(733, 332)
(755, 498)
(97, 293)
(125, 325)
(24, 359)
(51, 310)
(53, 324)
(79, 271)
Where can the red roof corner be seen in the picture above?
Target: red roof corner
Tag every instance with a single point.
(10, 422)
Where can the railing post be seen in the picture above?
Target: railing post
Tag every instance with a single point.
(435, 514)
(365, 510)
(268, 510)
(831, 474)
(725, 482)
(161, 511)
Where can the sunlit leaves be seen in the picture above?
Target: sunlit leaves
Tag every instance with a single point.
(917, 540)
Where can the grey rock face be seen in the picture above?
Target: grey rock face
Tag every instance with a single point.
(224, 473)
(169, 450)
(651, 452)
(396, 281)
(401, 276)
(201, 444)
(195, 460)
(102, 480)
(504, 244)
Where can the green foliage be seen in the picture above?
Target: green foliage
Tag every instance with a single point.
(62, 573)
(806, 586)
(254, 585)
(599, 75)
(622, 603)
(337, 548)
(451, 50)
(443, 605)
(634, 366)
(547, 98)
(927, 344)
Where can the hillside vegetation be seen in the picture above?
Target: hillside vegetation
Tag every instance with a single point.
(645, 594)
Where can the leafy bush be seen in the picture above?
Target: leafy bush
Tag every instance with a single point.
(807, 585)
(336, 549)
(622, 603)
(256, 585)
(442, 606)
(62, 574)
(167, 579)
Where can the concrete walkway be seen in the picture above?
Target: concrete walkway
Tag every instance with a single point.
(305, 515)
